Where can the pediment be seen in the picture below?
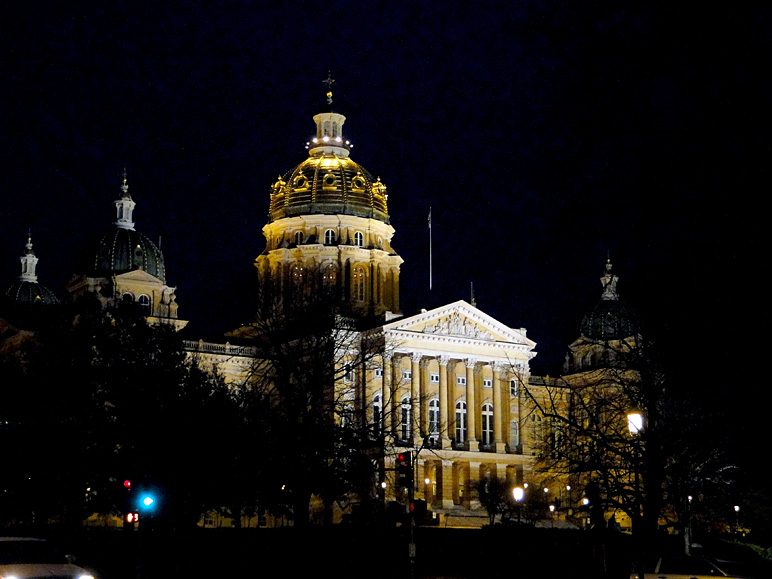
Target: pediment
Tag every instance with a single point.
(461, 320)
(138, 276)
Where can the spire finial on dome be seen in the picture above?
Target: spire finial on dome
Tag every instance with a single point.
(124, 206)
(609, 282)
(328, 81)
(28, 261)
(125, 184)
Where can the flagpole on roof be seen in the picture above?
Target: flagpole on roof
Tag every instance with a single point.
(430, 248)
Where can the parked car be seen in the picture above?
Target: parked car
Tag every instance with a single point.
(25, 557)
(676, 567)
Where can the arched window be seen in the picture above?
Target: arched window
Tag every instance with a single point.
(358, 284)
(144, 303)
(514, 434)
(487, 424)
(434, 422)
(330, 275)
(330, 237)
(461, 422)
(127, 298)
(377, 413)
(359, 239)
(298, 238)
(405, 432)
(537, 432)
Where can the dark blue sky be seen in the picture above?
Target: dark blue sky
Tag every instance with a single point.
(542, 134)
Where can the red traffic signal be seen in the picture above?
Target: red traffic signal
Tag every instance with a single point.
(405, 469)
(127, 484)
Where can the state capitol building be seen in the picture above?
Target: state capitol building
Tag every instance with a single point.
(451, 385)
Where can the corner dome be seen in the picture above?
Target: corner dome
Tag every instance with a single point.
(123, 250)
(30, 294)
(610, 319)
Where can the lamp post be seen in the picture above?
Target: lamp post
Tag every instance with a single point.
(635, 425)
(518, 493)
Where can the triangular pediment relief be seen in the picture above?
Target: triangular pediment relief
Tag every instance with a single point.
(463, 320)
(138, 276)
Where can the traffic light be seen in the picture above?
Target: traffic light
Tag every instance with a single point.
(405, 469)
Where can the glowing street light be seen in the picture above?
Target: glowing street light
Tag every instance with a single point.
(634, 422)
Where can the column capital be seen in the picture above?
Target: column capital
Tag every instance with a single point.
(499, 366)
(443, 360)
(470, 362)
(416, 357)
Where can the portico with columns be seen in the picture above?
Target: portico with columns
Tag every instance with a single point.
(450, 388)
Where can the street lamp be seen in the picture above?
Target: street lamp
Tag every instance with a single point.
(634, 422)
(518, 493)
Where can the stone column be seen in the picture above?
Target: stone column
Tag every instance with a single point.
(447, 489)
(387, 393)
(498, 413)
(474, 479)
(415, 391)
(471, 405)
(423, 394)
(445, 422)
(396, 403)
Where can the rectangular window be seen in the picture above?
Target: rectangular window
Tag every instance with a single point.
(434, 378)
(348, 373)
(379, 372)
(487, 383)
(461, 380)
(407, 375)
(513, 387)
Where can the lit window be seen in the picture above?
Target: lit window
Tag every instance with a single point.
(487, 424)
(405, 417)
(513, 387)
(514, 434)
(434, 421)
(358, 284)
(460, 422)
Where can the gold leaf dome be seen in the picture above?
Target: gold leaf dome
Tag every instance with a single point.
(329, 182)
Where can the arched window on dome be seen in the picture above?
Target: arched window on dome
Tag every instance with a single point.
(329, 275)
(359, 239)
(330, 237)
(298, 238)
(144, 303)
(358, 284)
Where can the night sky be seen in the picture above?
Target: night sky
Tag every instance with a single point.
(543, 135)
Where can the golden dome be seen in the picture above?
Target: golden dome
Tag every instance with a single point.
(329, 182)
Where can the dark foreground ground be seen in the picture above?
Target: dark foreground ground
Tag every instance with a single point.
(344, 552)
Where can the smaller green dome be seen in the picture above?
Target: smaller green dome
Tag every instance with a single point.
(610, 319)
(122, 250)
(30, 294)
